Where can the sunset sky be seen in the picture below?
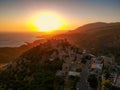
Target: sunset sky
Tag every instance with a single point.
(19, 15)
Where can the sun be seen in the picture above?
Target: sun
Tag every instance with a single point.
(48, 22)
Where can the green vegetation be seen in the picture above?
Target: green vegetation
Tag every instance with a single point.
(114, 88)
(74, 80)
(106, 74)
(78, 70)
(32, 71)
(93, 81)
(107, 84)
(8, 54)
(39, 79)
(30, 77)
(59, 83)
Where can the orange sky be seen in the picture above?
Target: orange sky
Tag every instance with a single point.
(15, 14)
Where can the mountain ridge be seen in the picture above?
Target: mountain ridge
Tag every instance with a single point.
(97, 25)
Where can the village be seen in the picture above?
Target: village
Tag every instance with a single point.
(86, 67)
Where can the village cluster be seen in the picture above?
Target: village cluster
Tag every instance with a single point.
(103, 67)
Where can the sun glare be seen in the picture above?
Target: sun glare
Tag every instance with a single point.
(48, 22)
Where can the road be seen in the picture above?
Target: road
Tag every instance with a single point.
(82, 83)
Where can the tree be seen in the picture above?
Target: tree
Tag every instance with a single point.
(78, 70)
(93, 81)
(106, 73)
(106, 84)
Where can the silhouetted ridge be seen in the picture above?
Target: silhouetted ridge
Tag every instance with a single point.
(97, 25)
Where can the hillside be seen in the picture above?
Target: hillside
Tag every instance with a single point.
(36, 68)
(8, 54)
(99, 38)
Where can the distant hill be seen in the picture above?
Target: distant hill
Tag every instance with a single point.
(99, 38)
(96, 26)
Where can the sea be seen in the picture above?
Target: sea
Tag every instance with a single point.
(17, 39)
